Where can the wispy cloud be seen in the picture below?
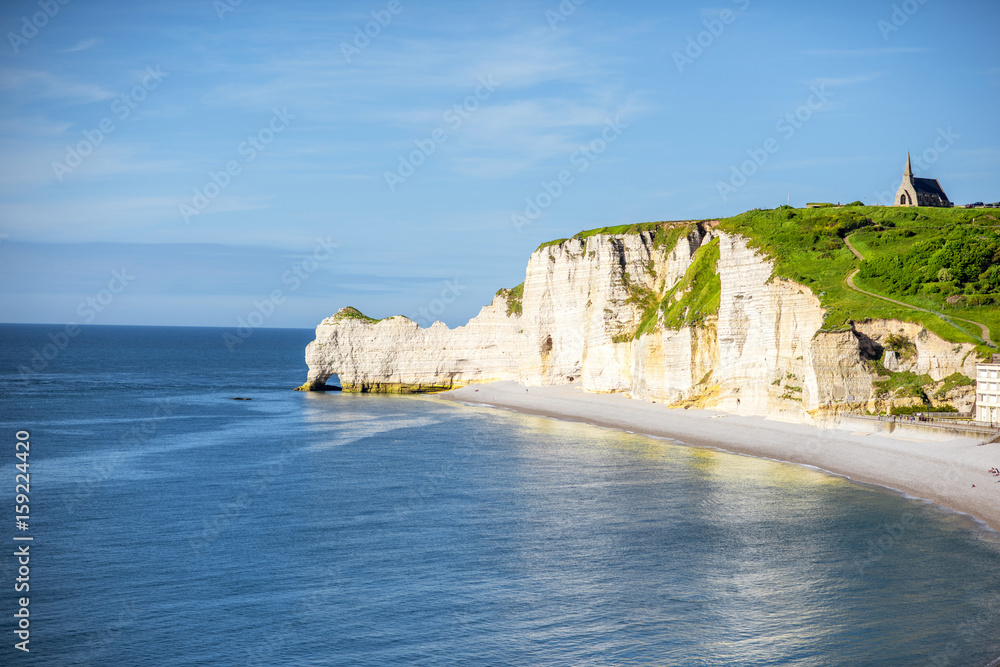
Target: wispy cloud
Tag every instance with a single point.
(26, 85)
(30, 164)
(34, 125)
(826, 161)
(863, 53)
(551, 94)
(83, 218)
(401, 66)
(508, 138)
(80, 46)
(714, 12)
(836, 82)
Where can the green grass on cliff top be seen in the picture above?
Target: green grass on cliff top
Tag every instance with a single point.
(807, 246)
(667, 232)
(352, 313)
(696, 295)
(515, 297)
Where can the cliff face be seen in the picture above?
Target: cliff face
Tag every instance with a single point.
(591, 315)
(930, 354)
(396, 356)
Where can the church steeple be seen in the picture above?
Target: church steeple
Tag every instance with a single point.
(920, 191)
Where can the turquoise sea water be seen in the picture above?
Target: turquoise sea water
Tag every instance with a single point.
(175, 526)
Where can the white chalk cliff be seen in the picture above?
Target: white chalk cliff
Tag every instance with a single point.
(761, 351)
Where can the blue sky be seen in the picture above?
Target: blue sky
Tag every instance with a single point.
(224, 154)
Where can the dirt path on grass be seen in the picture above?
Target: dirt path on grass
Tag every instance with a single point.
(854, 250)
(850, 283)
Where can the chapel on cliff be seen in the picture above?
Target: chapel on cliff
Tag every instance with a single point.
(920, 191)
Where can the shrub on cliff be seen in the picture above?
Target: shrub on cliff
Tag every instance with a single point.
(905, 250)
(515, 297)
(352, 313)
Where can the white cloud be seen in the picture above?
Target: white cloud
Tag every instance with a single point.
(825, 161)
(35, 125)
(846, 81)
(552, 94)
(85, 218)
(31, 164)
(26, 85)
(81, 218)
(863, 53)
(81, 46)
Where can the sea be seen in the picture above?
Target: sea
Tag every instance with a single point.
(170, 524)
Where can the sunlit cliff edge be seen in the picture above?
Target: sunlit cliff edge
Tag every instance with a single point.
(680, 313)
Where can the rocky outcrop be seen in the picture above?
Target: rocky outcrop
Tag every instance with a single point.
(921, 351)
(590, 314)
(396, 356)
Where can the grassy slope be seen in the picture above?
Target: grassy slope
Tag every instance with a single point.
(667, 232)
(933, 226)
(514, 296)
(807, 247)
(352, 313)
(698, 293)
(905, 251)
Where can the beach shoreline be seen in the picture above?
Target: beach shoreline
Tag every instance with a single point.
(952, 472)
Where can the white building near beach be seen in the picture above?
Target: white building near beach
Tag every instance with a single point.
(988, 392)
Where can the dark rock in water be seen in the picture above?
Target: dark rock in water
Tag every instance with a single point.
(240, 398)
(318, 387)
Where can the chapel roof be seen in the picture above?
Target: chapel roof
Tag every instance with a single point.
(929, 186)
